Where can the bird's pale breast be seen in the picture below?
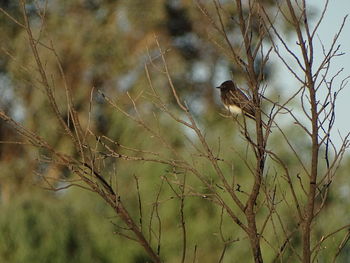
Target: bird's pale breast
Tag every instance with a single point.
(234, 109)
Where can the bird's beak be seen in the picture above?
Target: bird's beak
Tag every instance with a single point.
(218, 87)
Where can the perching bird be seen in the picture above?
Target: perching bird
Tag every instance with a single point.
(235, 100)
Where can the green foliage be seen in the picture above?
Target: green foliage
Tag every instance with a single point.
(40, 227)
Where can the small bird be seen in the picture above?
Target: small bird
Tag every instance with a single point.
(235, 100)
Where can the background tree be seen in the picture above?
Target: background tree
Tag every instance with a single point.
(118, 98)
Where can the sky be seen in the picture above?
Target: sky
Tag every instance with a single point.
(337, 10)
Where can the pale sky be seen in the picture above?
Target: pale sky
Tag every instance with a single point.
(337, 10)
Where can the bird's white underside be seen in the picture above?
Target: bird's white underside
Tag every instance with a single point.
(234, 109)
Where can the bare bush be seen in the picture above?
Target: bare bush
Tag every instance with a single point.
(277, 205)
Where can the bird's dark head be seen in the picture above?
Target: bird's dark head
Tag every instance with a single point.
(227, 85)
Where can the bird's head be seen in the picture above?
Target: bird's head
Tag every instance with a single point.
(227, 85)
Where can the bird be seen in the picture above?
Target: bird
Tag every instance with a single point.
(235, 101)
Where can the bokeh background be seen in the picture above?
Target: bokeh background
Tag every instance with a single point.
(105, 44)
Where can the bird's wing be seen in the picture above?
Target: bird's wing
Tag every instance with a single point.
(240, 99)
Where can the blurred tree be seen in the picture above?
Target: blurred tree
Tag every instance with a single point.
(47, 228)
(104, 45)
(108, 52)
